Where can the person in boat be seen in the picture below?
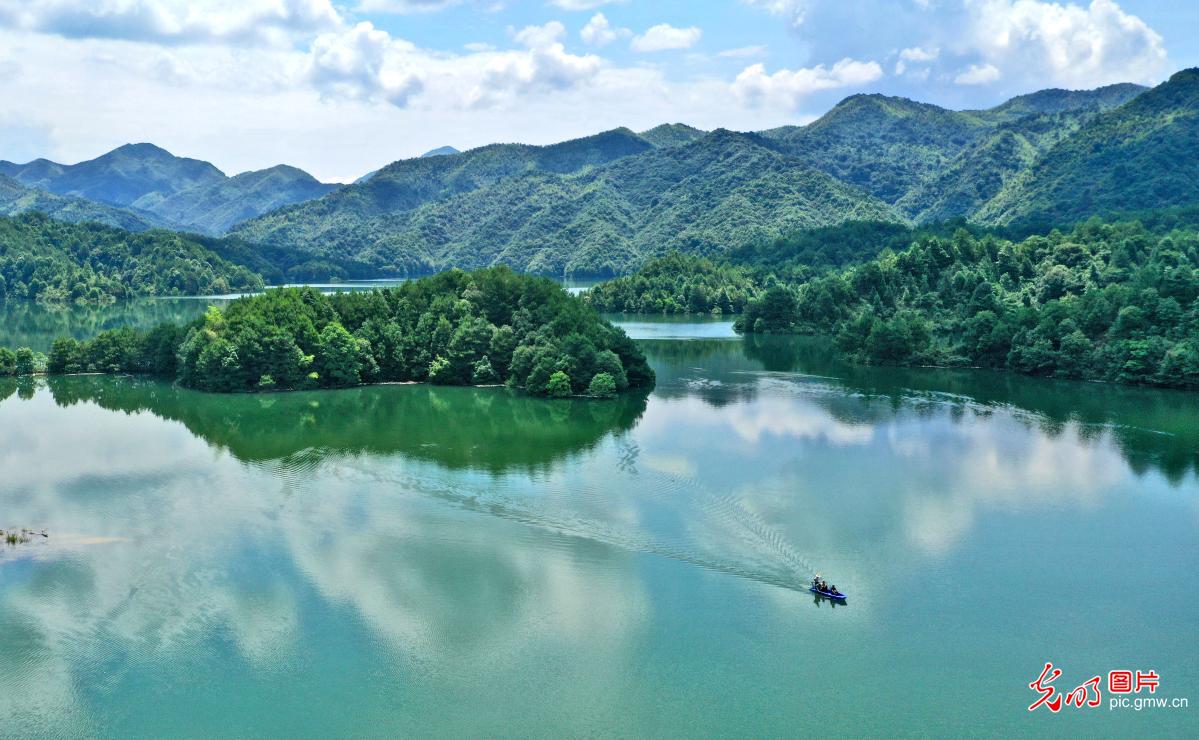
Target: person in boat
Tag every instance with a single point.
(833, 589)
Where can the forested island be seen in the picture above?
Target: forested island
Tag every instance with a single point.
(486, 327)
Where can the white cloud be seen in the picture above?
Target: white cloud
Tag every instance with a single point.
(978, 74)
(915, 55)
(1064, 44)
(786, 88)
(363, 63)
(599, 32)
(664, 36)
(173, 21)
(793, 10)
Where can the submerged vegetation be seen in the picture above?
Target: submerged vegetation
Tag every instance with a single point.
(488, 327)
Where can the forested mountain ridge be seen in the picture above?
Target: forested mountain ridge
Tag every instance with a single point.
(216, 207)
(16, 198)
(158, 188)
(122, 177)
(599, 205)
(1137, 156)
(894, 147)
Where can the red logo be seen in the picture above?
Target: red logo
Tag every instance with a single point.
(1087, 694)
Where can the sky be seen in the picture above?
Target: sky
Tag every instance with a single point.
(342, 88)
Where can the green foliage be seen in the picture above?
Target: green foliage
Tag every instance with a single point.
(601, 205)
(558, 385)
(56, 262)
(1104, 301)
(1137, 156)
(455, 328)
(676, 283)
(602, 386)
(8, 362)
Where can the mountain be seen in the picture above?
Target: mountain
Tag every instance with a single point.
(52, 261)
(1140, 155)
(216, 207)
(600, 205)
(135, 175)
(1055, 100)
(672, 134)
(16, 199)
(916, 155)
(884, 145)
(440, 151)
(166, 190)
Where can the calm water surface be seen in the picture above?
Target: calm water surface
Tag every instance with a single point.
(455, 561)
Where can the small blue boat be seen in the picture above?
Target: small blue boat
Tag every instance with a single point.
(834, 595)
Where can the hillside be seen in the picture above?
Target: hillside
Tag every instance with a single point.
(216, 207)
(134, 175)
(935, 163)
(1108, 302)
(16, 199)
(1140, 155)
(53, 261)
(543, 209)
(161, 189)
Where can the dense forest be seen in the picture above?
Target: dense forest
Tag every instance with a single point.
(677, 283)
(456, 328)
(1113, 302)
(53, 261)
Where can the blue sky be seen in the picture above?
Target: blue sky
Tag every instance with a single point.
(340, 88)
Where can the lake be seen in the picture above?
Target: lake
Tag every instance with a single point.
(412, 559)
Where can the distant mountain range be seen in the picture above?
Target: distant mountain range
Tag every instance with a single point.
(606, 203)
(156, 188)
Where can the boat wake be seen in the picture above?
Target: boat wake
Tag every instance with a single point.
(724, 523)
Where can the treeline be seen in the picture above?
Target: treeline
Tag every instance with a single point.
(1112, 302)
(58, 262)
(487, 327)
(677, 283)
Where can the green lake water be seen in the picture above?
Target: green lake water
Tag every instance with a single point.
(401, 560)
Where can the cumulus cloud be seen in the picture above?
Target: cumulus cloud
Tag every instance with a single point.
(599, 32)
(363, 63)
(664, 36)
(977, 74)
(787, 88)
(915, 55)
(173, 21)
(1066, 44)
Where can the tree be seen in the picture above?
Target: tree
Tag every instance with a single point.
(483, 373)
(558, 385)
(26, 362)
(8, 362)
(337, 357)
(63, 358)
(602, 386)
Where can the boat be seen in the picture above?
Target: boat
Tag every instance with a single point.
(834, 595)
